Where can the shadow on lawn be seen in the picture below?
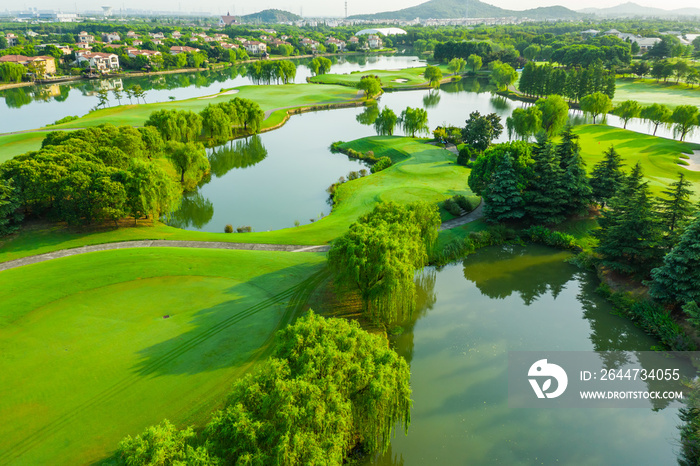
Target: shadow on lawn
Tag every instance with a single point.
(233, 333)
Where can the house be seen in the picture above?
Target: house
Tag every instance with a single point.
(84, 46)
(228, 46)
(374, 41)
(176, 35)
(132, 35)
(354, 40)
(43, 65)
(32, 34)
(156, 35)
(227, 20)
(12, 39)
(137, 42)
(646, 43)
(255, 47)
(65, 49)
(133, 53)
(221, 37)
(612, 32)
(340, 44)
(103, 62)
(590, 32)
(178, 49)
(110, 37)
(85, 37)
(157, 42)
(306, 42)
(277, 43)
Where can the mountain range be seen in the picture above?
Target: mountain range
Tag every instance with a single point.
(271, 16)
(631, 10)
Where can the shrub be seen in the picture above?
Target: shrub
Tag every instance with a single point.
(557, 239)
(463, 203)
(466, 153)
(451, 206)
(65, 119)
(382, 164)
(353, 175)
(364, 172)
(296, 223)
(246, 229)
(228, 228)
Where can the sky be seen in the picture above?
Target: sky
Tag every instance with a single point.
(321, 7)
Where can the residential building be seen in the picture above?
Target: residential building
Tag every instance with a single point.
(103, 62)
(43, 65)
(337, 42)
(374, 41)
(84, 45)
(110, 37)
(133, 53)
(85, 37)
(177, 49)
(12, 39)
(221, 37)
(156, 35)
(227, 20)
(176, 34)
(646, 43)
(132, 35)
(312, 44)
(254, 47)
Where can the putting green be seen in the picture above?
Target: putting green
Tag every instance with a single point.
(391, 79)
(648, 91)
(92, 357)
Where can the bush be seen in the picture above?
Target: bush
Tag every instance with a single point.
(65, 119)
(466, 153)
(463, 203)
(451, 206)
(353, 175)
(246, 229)
(557, 239)
(228, 229)
(382, 164)
(364, 172)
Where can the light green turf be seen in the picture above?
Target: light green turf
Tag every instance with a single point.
(426, 172)
(648, 91)
(659, 157)
(14, 144)
(88, 358)
(413, 76)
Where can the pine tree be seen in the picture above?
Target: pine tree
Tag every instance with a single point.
(607, 177)
(578, 189)
(629, 235)
(546, 198)
(677, 208)
(678, 279)
(503, 201)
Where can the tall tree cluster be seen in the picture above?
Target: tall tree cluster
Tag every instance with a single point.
(575, 83)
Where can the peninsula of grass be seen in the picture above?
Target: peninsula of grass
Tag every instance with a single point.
(648, 91)
(134, 336)
(407, 78)
(421, 172)
(15, 144)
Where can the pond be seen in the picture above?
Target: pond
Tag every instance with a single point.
(33, 107)
(514, 298)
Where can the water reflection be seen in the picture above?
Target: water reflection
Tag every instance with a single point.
(369, 115)
(241, 153)
(431, 99)
(195, 211)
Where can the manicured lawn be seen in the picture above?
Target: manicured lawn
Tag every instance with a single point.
(88, 357)
(391, 79)
(426, 172)
(14, 144)
(648, 91)
(658, 156)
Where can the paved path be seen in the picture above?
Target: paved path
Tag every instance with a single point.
(159, 244)
(459, 221)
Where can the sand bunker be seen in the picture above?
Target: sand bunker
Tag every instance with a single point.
(400, 80)
(232, 91)
(693, 161)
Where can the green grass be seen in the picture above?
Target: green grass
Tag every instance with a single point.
(658, 157)
(648, 91)
(14, 144)
(88, 358)
(426, 172)
(413, 76)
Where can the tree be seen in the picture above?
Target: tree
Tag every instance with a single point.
(576, 184)
(12, 72)
(596, 104)
(117, 91)
(658, 114)
(103, 97)
(138, 93)
(414, 120)
(676, 281)
(150, 191)
(531, 51)
(371, 85)
(627, 110)
(188, 158)
(456, 65)
(524, 123)
(474, 62)
(685, 119)
(176, 125)
(162, 444)
(385, 122)
(676, 208)
(607, 176)
(10, 215)
(503, 201)
(481, 130)
(320, 65)
(216, 122)
(629, 237)
(545, 196)
(486, 165)
(503, 75)
(433, 75)
(555, 113)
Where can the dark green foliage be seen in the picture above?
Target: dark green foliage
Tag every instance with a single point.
(246, 229)
(692, 312)
(382, 164)
(574, 83)
(676, 208)
(555, 239)
(678, 279)
(10, 215)
(690, 429)
(576, 184)
(480, 130)
(607, 177)
(371, 85)
(503, 200)
(596, 104)
(546, 197)
(176, 125)
(487, 164)
(466, 154)
(463, 203)
(228, 228)
(385, 122)
(414, 120)
(629, 233)
(189, 159)
(451, 206)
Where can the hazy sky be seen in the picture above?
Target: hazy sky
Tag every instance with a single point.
(320, 7)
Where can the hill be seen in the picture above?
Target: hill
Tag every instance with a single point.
(444, 9)
(631, 10)
(270, 16)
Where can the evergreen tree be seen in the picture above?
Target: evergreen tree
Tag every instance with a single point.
(10, 216)
(629, 235)
(678, 279)
(607, 177)
(546, 198)
(677, 208)
(503, 201)
(575, 178)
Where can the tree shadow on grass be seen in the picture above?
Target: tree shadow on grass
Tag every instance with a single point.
(232, 333)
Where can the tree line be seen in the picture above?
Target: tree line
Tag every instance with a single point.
(329, 388)
(267, 71)
(575, 83)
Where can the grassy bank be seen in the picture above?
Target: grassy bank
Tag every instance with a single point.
(391, 79)
(94, 344)
(648, 91)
